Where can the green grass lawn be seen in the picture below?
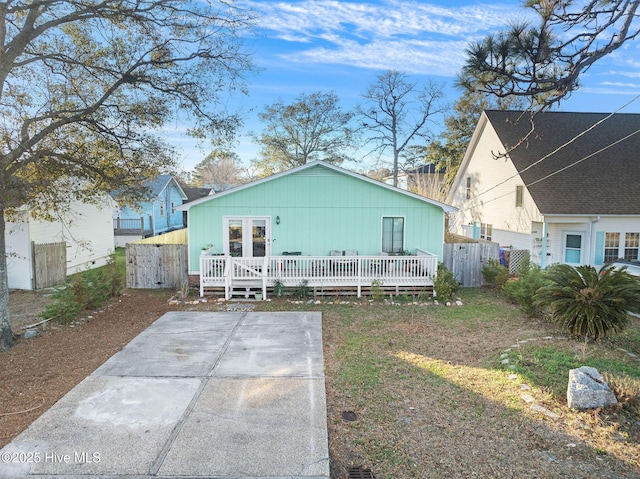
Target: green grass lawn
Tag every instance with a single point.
(433, 398)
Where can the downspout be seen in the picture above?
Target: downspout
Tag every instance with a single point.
(543, 252)
(592, 241)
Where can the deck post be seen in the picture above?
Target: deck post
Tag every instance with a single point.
(359, 280)
(265, 263)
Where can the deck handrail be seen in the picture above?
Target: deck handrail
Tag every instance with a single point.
(355, 271)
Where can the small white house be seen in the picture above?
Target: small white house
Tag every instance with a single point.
(87, 230)
(562, 185)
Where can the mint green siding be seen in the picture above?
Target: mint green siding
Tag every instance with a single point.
(320, 210)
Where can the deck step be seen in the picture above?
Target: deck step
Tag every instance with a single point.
(243, 287)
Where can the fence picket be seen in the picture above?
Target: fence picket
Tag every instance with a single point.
(153, 266)
(465, 261)
(49, 264)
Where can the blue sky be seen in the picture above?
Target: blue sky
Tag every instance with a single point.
(327, 45)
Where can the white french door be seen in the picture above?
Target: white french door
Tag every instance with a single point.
(249, 237)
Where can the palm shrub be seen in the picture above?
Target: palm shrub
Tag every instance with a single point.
(587, 302)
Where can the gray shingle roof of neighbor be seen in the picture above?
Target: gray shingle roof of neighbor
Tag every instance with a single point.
(596, 173)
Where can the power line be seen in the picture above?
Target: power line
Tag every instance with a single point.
(576, 137)
(555, 151)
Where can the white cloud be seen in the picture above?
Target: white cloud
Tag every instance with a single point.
(407, 35)
(412, 56)
(316, 18)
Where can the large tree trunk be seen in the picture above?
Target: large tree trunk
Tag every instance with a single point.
(6, 334)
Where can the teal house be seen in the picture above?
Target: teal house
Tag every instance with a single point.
(317, 222)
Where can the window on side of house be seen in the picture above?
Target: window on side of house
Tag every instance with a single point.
(392, 234)
(631, 246)
(468, 187)
(519, 196)
(611, 247)
(162, 208)
(173, 208)
(486, 231)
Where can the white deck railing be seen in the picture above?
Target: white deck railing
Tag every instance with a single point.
(319, 271)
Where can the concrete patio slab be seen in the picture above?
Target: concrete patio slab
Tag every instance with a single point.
(220, 395)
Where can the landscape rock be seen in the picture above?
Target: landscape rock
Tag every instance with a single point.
(588, 390)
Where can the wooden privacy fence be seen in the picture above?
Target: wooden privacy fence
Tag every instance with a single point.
(49, 264)
(156, 265)
(465, 261)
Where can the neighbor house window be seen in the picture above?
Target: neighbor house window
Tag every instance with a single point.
(468, 187)
(173, 208)
(486, 231)
(392, 234)
(631, 246)
(162, 209)
(611, 247)
(519, 196)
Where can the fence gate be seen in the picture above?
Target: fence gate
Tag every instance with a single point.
(152, 266)
(465, 261)
(49, 264)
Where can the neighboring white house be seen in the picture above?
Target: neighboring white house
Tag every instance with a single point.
(566, 190)
(87, 230)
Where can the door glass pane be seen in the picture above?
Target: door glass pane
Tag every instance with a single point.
(392, 235)
(235, 237)
(259, 231)
(574, 241)
(572, 250)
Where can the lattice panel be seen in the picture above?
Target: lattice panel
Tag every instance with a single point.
(516, 258)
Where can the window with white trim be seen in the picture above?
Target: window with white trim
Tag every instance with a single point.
(486, 231)
(162, 208)
(631, 246)
(173, 208)
(392, 234)
(519, 196)
(611, 247)
(468, 187)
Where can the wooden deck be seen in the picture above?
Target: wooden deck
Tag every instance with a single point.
(131, 226)
(323, 274)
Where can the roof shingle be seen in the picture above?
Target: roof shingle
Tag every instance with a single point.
(594, 172)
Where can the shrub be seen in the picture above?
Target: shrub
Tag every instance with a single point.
(377, 291)
(278, 288)
(64, 307)
(302, 291)
(446, 285)
(589, 303)
(89, 289)
(522, 290)
(495, 274)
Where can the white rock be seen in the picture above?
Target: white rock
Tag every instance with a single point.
(588, 390)
(545, 411)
